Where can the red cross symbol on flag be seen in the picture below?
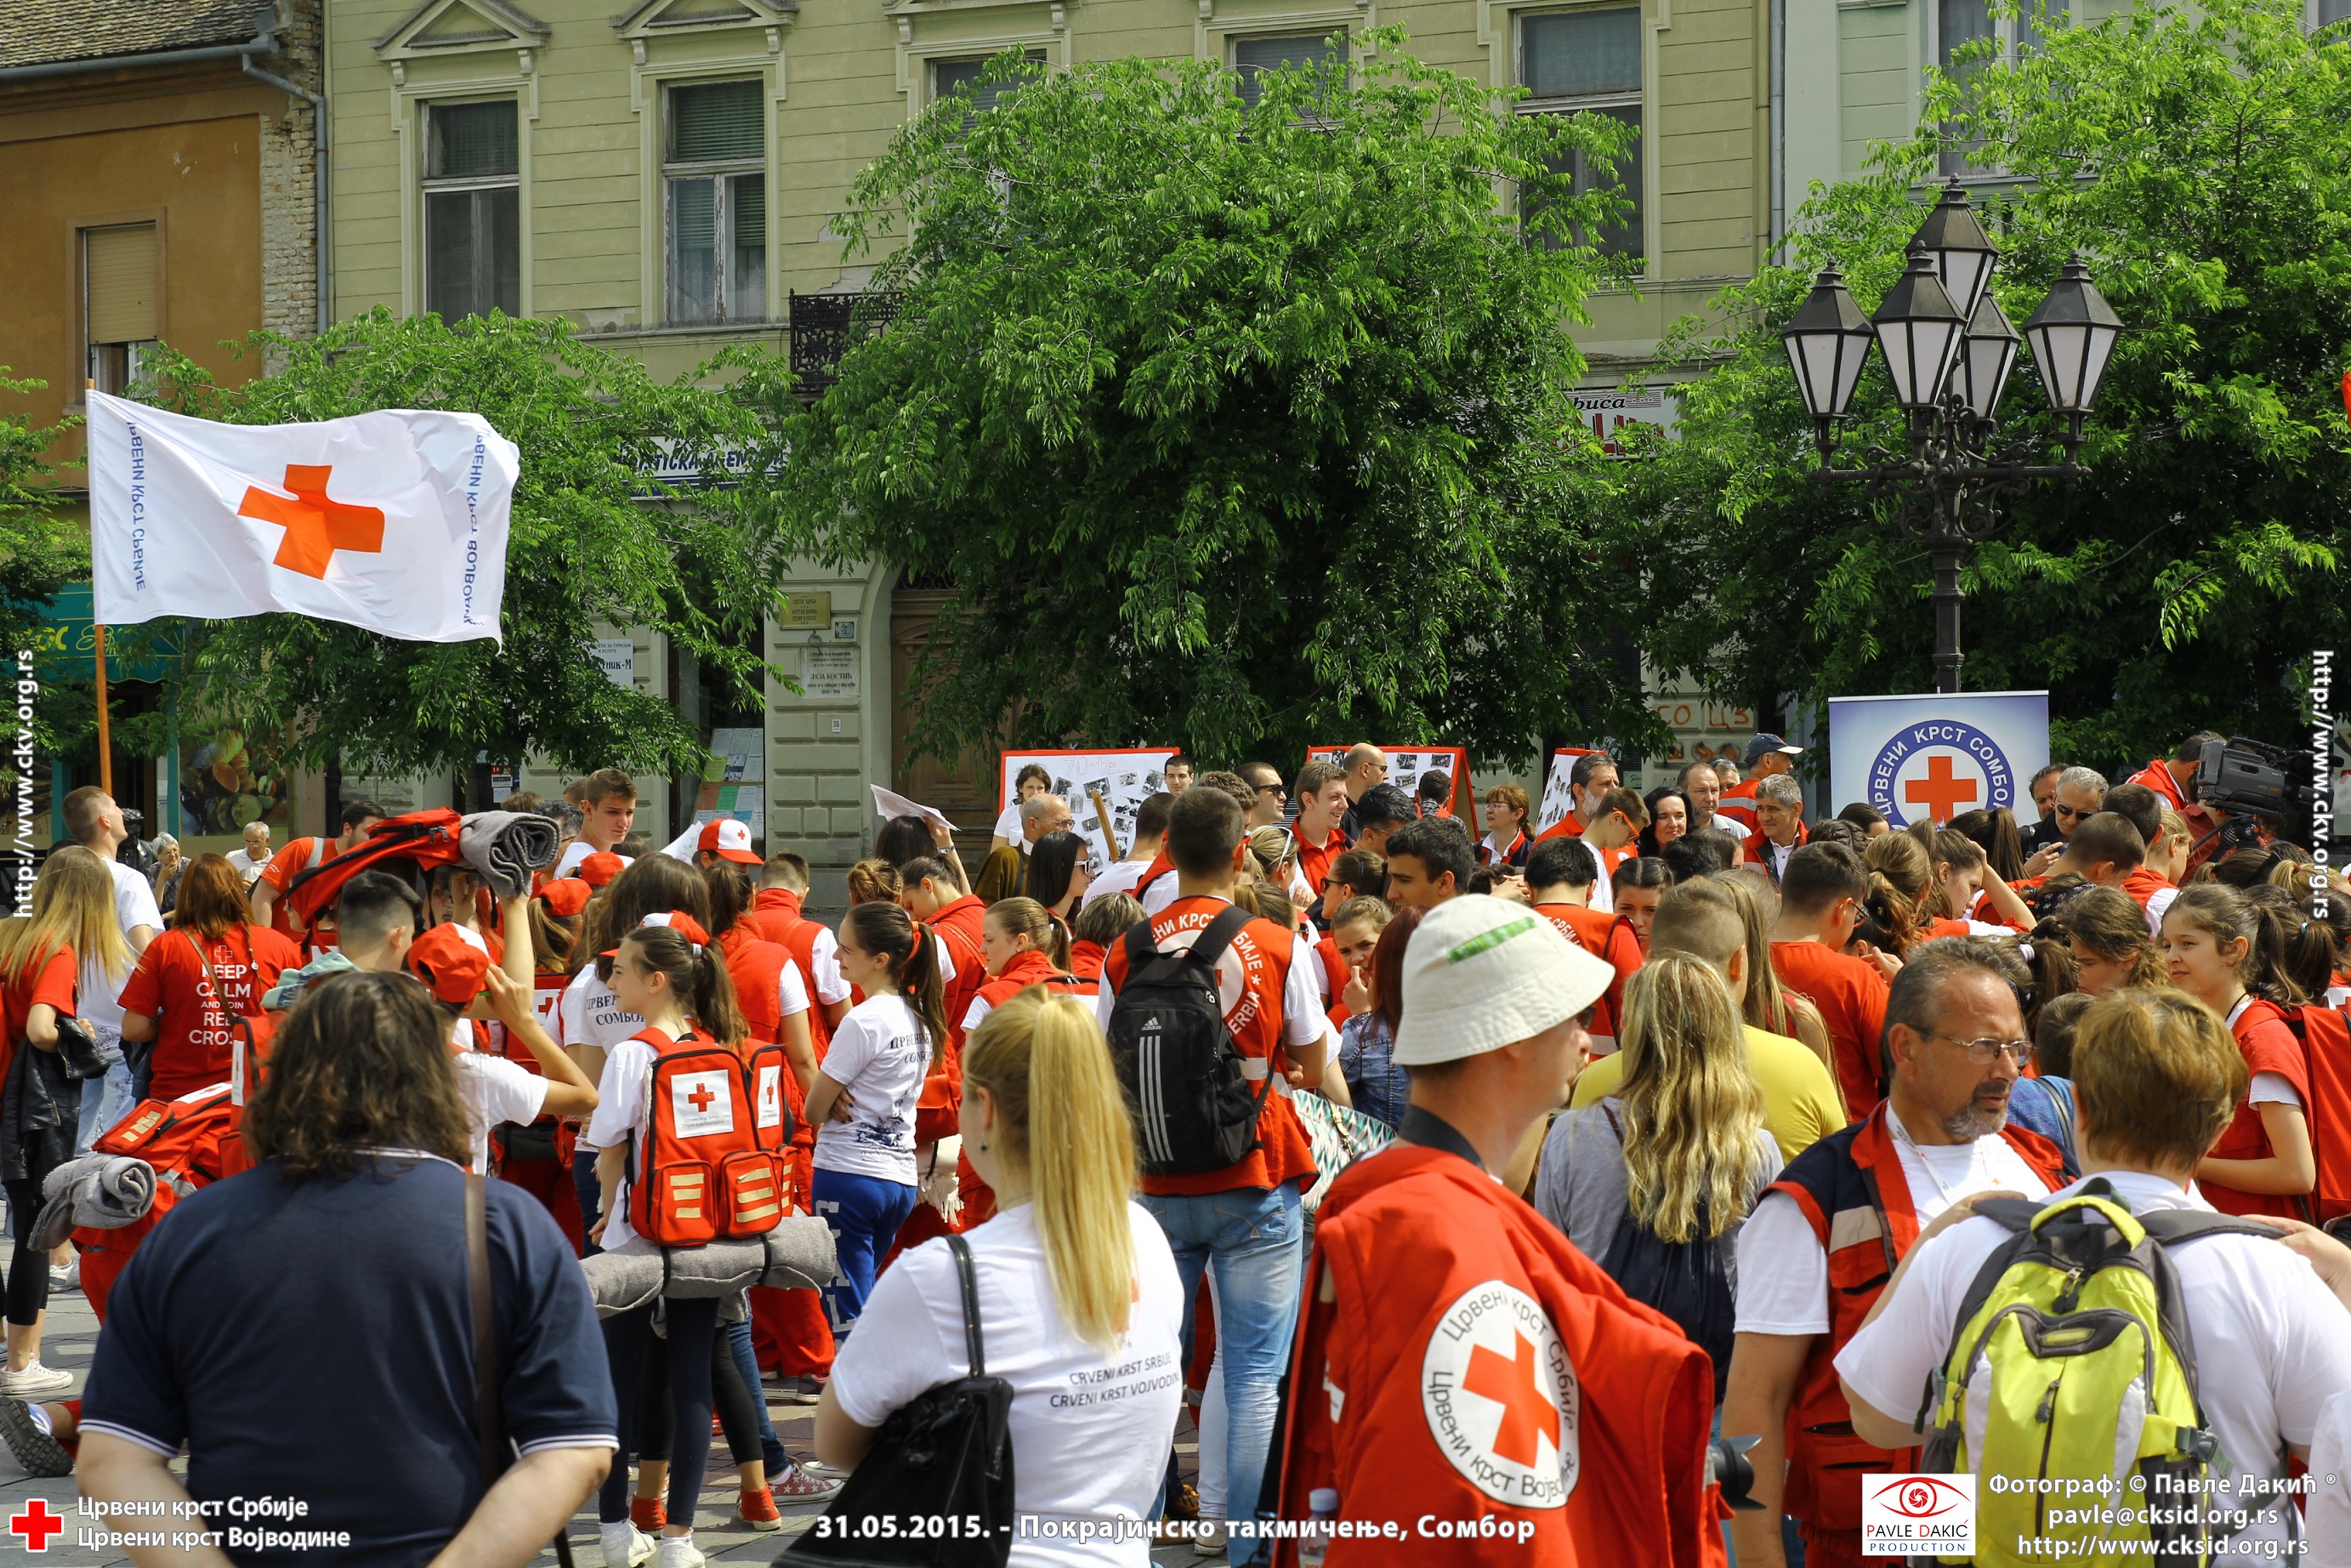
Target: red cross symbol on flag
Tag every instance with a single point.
(1941, 793)
(1527, 1411)
(36, 1524)
(316, 527)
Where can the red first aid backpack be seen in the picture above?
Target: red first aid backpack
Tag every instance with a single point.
(181, 1135)
(2325, 1035)
(711, 1163)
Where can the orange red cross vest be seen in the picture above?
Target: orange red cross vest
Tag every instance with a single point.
(1603, 935)
(957, 926)
(1851, 1192)
(1477, 1370)
(710, 1162)
(2325, 1035)
(1737, 805)
(2269, 1044)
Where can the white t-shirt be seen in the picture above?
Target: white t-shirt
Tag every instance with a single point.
(791, 991)
(2272, 1344)
(580, 850)
(590, 1015)
(495, 1090)
(879, 1054)
(1783, 1271)
(1604, 893)
(1008, 824)
(824, 965)
(1119, 877)
(1091, 1429)
(2329, 1518)
(134, 905)
(619, 1115)
(1159, 894)
(247, 867)
(2156, 903)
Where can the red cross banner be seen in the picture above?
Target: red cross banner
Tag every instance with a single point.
(396, 521)
(1926, 758)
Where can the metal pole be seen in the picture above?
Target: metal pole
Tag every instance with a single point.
(105, 744)
(1947, 616)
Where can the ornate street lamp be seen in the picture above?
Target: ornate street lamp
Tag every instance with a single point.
(1949, 349)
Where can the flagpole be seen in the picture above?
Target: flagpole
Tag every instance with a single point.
(105, 743)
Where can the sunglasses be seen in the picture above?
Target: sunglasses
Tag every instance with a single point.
(2070, 813)
(1276, 790)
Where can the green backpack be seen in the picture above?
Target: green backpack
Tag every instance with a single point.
(2070, 1384)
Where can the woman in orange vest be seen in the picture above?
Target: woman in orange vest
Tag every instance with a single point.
(2225, 951)
(1025, 945)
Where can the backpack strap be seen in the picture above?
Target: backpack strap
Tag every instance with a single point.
(2172, 1226)
(1219, 934)
(968, 1279)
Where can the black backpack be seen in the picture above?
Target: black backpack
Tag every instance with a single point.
(1683, 1280)
(1186, 1085)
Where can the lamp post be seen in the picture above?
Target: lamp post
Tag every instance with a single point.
(1949, 349)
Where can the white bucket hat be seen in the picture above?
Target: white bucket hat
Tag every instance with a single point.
(1482, 973)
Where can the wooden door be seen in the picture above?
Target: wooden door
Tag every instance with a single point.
(964, 789)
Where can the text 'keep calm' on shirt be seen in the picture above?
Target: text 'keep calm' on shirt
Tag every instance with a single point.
(1089, 1428)
(171, 985)
(879, 1054)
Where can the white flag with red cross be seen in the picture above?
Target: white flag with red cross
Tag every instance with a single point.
(396, 520)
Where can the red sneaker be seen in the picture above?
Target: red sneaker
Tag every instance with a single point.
(756, 1510)
(648, 1514)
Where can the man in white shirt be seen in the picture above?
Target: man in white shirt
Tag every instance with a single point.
(97, 824)
(1845, 1211)
(608, 806)
(253, 857)
(1150, 836)
(2156, 1079)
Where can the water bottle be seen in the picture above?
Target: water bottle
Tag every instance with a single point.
(1324, 1502)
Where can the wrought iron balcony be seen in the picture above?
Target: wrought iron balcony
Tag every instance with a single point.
(825, 325)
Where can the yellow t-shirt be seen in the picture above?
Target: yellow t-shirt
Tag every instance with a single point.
(1800, 1102)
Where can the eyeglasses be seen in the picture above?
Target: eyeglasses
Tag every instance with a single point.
(1276, 790)
(1985, 1051)
(2070, 813)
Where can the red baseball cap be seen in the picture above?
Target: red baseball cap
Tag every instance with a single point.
(451, 962)
(600, 868)
(566, 896)
(728, 838)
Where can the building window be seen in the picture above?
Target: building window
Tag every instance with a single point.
(473, 211)
(1253, 57)
(1589, 61)
(2326, 13)
(716, 174)
(1961, 23)
(118, 290)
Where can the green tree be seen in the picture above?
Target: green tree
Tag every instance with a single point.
(1235, 424)
(593, 540)
(41, 550)
(2192, 155)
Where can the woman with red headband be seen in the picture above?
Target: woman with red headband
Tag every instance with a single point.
(862, 1101)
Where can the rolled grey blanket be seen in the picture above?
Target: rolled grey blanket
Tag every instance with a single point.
(506, 847)
(796, 1255)
(105, 1192)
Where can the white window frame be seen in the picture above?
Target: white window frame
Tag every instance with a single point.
(428, 186)
(721, 171)
(1637, 98)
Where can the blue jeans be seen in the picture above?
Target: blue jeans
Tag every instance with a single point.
(747, 1362)
(105, 1101)
(864, 1213)
(1250, 1236)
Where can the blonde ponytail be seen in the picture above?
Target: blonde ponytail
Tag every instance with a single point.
(1060, 1116)
(1691, 1107)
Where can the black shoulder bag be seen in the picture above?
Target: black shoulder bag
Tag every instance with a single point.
(936, 1492)
(497, 1451)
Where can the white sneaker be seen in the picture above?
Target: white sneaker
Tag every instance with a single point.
(35, 1379)
(677, 1551)
(1210, 1541)
(625, 1545)
(67, 1278)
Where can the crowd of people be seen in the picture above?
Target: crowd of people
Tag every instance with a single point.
(1500, 1198)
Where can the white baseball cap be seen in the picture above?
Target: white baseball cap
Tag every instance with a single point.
(1482, 973)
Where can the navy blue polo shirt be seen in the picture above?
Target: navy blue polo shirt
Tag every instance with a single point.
(313, 1341)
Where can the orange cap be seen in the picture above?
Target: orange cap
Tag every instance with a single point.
(452, 968)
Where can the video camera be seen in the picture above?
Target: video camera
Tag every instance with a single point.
(2252, 778)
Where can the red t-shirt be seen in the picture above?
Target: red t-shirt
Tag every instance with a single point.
(1850, 995)
(1602, 936)
(284, 867)
(1255, 971)
(51, 981)
(1314, 860)
(2268, 1046)
(192, 1024)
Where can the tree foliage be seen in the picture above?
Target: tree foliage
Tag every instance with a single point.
(41, 550)
(593, 540)
(1234, 424)
(2193, 156)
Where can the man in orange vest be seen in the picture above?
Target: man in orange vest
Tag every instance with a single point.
(2174, 781)
(1826, 1237)
(1467, 1387)
(1591, 777)
(1561, 875)
(358, 819)
(1768, 757)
